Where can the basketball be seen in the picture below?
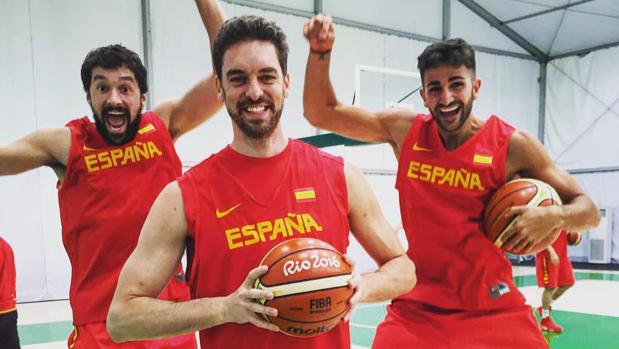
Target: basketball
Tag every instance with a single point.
(573, 238)
(520, 192)
(309, 280)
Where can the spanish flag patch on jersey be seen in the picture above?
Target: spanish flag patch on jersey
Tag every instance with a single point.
(146, 129)
(305, 194)
(482, 159)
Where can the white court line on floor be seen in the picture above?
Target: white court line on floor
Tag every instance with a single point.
(41, 312)
(371, 327)
(51, 345)
(519, 270)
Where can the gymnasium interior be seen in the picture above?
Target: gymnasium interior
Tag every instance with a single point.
(547, 66)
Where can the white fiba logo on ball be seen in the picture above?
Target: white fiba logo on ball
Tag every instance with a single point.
(314, 262)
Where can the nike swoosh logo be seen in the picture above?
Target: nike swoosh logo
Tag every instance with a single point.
(87, 148)
(222, 214)
(416, 147)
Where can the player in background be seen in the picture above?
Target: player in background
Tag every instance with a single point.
(9, 339)
(555, 275)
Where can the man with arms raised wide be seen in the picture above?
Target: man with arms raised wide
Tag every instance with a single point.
(109, 173)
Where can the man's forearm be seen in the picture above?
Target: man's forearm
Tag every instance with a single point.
(391, 280)
(212, 17)
(318, 92)
(151, 318)
(580, 214)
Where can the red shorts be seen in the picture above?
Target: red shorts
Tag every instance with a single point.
(553, 276)
(95, 336)
(415, 325)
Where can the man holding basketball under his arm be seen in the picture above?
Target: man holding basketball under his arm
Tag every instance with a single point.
(230, 210)
(450, 163)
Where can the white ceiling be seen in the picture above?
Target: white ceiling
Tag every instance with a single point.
(581, 26)
(535, 29)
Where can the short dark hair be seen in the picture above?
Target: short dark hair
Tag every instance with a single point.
(453, 52)
(110, 57)
(244, 28)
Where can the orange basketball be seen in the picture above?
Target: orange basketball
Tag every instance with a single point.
(573, 238)
(309, 279)
(520, 192)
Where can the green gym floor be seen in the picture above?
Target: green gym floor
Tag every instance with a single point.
(589, 313)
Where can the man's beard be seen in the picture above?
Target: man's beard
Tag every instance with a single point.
(252, 128)
(117, 139)
(465, 111)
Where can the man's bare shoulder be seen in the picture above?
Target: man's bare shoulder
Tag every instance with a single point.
(397, 121)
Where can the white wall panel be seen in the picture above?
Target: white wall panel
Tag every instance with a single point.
(582, 110)
(509, 89)
(415, 16)
(16, 82)
(63, 32)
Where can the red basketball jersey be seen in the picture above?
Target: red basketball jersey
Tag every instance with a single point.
(239, 207)
(104, 199)
(7, 278)
(442, 199)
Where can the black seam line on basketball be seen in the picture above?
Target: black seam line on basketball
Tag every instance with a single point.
(294, 282)
(510, 193)
(313, 322)
(305, 292)
(297, 251)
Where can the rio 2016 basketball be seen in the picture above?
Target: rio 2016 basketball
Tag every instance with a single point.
(309, 280)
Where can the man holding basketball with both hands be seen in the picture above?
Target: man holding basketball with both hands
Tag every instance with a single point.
(229, 209)
(464, 295)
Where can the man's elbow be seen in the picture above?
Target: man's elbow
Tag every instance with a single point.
(316, 116)
(311, 114)
(114, 324)
(404, 278)
(594, 214)
(410, 276)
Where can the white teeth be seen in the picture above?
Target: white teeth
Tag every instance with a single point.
(256, 109)
(447, 110)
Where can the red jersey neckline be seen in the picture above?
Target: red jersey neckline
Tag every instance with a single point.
(439, 141)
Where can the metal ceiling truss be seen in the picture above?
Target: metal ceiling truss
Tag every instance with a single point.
(541, 116)
(535, 53)
(553, 9)
(585, 50)
(446, 19)
(147, 45)
(507, 31)
(318, 8)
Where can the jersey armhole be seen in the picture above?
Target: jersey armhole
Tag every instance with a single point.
(402, 167)
(188, 193)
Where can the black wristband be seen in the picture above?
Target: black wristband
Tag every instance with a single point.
(321, 54)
